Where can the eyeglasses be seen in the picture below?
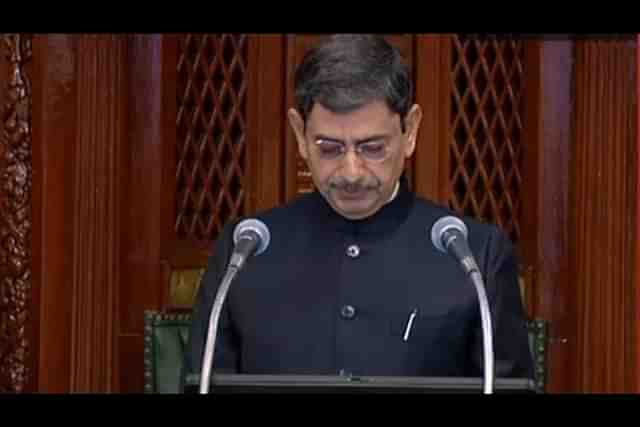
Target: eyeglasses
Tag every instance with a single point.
(374, 151)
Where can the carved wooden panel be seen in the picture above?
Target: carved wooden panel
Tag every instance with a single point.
(15, 215)
(211, 126)
(4, 80)
(486, 121)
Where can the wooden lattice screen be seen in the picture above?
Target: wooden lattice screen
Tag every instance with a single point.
(211, 126)
(486, 123)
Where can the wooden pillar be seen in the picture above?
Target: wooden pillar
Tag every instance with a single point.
(79, 140)
(603, 215)
(545, 214)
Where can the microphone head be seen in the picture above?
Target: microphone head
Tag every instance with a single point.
(444, 224)
(256, 226)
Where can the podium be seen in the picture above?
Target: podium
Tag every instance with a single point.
(296, 384)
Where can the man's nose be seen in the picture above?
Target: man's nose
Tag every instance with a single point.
(352, 165)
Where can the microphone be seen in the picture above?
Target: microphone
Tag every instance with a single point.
(449, 235)
(251, 237)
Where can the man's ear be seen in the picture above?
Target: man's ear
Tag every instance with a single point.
(297, 125)
(412, 122)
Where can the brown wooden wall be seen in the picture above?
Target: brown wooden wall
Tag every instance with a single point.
(122, 155)
(546, 186)
(603, 215)
(637, 195)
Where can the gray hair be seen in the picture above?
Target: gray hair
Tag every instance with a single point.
(345, 72)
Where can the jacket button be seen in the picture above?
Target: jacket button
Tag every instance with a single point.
(353, 251)
(348, 312)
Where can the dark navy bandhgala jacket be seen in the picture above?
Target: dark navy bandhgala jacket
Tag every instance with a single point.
(331, 295)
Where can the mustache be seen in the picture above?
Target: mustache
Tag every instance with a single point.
(354, 186)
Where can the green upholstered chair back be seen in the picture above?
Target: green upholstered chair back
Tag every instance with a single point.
(165, 340)
(166, 336)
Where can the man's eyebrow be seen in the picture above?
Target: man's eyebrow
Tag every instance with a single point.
(358, 141)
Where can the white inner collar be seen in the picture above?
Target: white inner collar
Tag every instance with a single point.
(395, 192)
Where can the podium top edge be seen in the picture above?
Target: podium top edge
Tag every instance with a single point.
(290, 380)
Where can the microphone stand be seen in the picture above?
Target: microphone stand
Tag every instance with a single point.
(245, 246)
(457, 246)
(487, 331)
(205, 372)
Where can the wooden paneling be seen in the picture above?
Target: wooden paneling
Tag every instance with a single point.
(54, 131)
(433, 89)
(97, 207)
(144, 218)
(544, 243)
(165, 50)
(266, 122)
(296, 175)
(153, 248)
(98, 190)
(637, 233)
(603, 212)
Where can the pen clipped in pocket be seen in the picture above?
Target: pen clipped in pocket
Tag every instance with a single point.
(409, 325)
(415, 325)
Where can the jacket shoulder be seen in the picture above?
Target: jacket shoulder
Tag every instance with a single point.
(481, 232)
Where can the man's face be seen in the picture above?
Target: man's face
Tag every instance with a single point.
(356, 158)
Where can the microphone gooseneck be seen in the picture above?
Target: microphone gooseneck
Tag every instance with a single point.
(251, 237)
(212, 333)
(449, 235)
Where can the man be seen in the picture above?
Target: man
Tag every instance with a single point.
(351, 283)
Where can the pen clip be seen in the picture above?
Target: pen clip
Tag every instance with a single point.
(407, 330)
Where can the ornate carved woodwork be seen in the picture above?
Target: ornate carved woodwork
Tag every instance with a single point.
(486, 125)
(211, 125)
(15, 216)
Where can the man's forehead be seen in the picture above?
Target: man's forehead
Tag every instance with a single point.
(374, 117)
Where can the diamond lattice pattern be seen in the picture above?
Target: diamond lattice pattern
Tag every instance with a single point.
(211, 125)
(486, 150)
